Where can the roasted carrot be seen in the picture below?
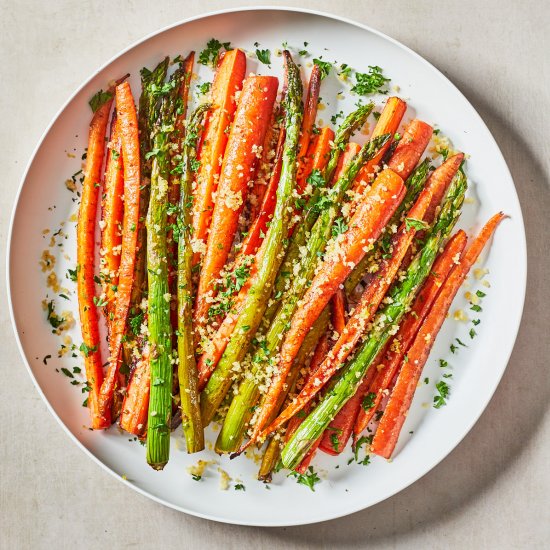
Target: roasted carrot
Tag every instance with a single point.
(337, 434)
(267, 165)
(126, 114)
(246, 136)
(259, 225)
(85, 255)
(111, 215)
(393, 355)
(338, 321)
(373, 213)
(387, 434)
(410, 147)
(374, 293)
(133, 416)
(388, 123)
(227, 82)
(310, 112)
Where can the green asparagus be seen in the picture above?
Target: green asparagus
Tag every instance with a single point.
(187, 368)
(160, 328)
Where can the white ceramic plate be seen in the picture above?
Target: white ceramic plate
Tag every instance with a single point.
(44, 202)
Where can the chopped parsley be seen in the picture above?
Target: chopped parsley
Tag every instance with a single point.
(371, 82)
(324, 67)
(209, 56)
(99, 99)
(368, 401)
(339, 227)
(264, 56)
(55, 320)
(86, 350)
(204, 88)
(239, 487)
(309, 479)
(413, 223)
(357, 447)
(443, 393)
(315, 179)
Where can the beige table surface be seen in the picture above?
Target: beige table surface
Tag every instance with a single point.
(491, 492)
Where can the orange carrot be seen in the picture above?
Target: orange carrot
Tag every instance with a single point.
(410, 147)
(259, 225)
(246, 136)
(388, 123)
(400, 400)
(227, 82)
(112, 212)
(133, 416)
(126, 114)
(391, 358)
(336, 436)
(373, 213)
(317, 155)
(85, 256)
(310, 112)
(268, 164)
(338, 322)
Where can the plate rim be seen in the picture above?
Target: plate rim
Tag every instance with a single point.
(289, 9)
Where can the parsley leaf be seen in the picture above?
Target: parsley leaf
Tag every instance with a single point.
(368, 401)
(264, 56)
(209, 56)
(324, 67)
(371, 82)
(443, 393)
(99, 99)
(309, 479)
(415, 224)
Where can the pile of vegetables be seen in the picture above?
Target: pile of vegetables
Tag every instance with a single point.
(259, 271)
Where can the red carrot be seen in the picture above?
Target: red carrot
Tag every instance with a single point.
(259, 225)
(267, 165)
(133, 416)
(388, 123)
(410, 147)
(308, 122)
(227, 82)
(338, 322)
(240, 159)
(85, 256)
(400, 400)
(126, 114)
(111, 214)
(391, 359)
(373, 213)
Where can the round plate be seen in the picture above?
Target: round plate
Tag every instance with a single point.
(429, 434)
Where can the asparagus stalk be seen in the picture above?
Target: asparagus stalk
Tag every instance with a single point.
(160, 328)
(148, 114)
(385, 325)
(234, 425)
(414, 185)
(351, 123)
(187, 368)
(273, 249)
